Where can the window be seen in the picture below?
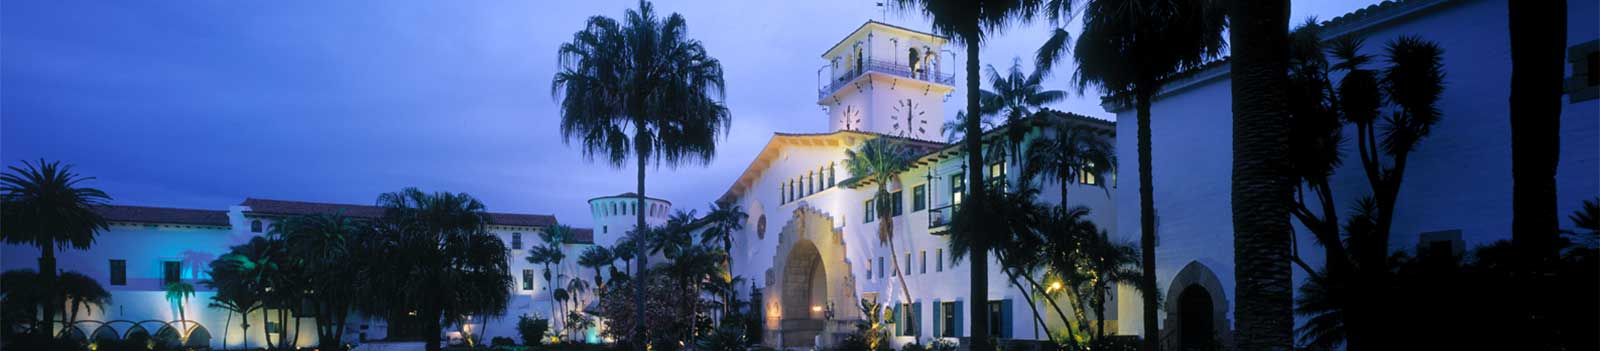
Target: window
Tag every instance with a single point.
(896, 208)
(170, 272)
(527, 279)
(1584, 84)
(938, 261)
(919, 198)
(997, 319)
(605, 230)
(119, 272)
(909, 319)
(867, 211)
(255, 226)
(958, 187)
(831, 175)
(908, 264)
(923, 266)
(1086, 177)
(948, 313)
(516, 241)
(793, 193)
(996, 175)
(869, 269)
(880, 267)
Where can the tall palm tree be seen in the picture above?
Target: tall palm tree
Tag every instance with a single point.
(1075, 151)
(724, 220)
(445, 241)
(46, 206)
(1017, 96)
(880, 161)
(1262, 186)
(1538, 52)
(551, 254)
(178, 294)
(641, 88)
(321, 247)
(969, 23)
(1128, 49)
(1029, 236)
(595, 257)
(81, 291)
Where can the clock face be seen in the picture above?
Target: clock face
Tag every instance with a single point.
(851, 119)
(909, 120)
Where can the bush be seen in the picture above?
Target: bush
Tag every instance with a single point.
(502, 341)
(532, 329)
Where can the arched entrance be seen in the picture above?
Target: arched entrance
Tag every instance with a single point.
(805, 295)
(809, 292)
(1195, 328)
(1197, 310)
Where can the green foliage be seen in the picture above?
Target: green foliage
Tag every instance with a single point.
(532, 330)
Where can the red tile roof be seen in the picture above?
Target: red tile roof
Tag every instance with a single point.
(289, 208)
(162, 215)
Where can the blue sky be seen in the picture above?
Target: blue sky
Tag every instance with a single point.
(200, 104)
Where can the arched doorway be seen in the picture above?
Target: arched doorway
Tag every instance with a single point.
(808, 292)
(1196, 329)
(805, 295)
(1197, 310)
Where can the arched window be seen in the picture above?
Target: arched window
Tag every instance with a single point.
(831, 174)
(860, 60)
(255, 226)
(914, 60)
(613, 208)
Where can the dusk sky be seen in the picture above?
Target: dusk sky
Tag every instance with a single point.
(200, 104)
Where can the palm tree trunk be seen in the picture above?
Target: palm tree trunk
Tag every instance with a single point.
(978, 291)
(1053, 305)
(47, 270)
(225, 328)
(886, 226)
(1262, 192)
(1031, 306)
(1147, 225)
(266, 333)
(644, 258)
(432, 326)
(1078, 303)
(1538, 47)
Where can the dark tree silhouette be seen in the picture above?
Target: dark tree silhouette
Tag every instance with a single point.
(1128, 49)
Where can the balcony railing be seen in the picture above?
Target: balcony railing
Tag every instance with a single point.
(890, 68)
(939, 219)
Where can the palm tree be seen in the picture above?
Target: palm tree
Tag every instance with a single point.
(245, 277)
(968, 23)
(595, 257)
(1029, 236)
(444, 238)
(233, 305)
(1017, 96)
(1076, 150)
(724, 220)
(320, 246)
(880, 161)
(1262, 234)
(1128, 49)
(81, 291)
(178, 293)
(1109, 262)
(640, 88)
(550, 254)
(1538, 52)
(45, 207)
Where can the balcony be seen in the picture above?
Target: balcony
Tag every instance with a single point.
(939, 219)
(889, 68)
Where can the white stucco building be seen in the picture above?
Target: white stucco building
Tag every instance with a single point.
(147, 247)
(811, 247)
(1457, 187)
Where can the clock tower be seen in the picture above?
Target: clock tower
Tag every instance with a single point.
(887, 79)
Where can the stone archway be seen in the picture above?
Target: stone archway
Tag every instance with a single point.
(1197, 310)
(810, 276)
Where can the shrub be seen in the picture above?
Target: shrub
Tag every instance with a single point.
(502, 341)
(532, 329)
